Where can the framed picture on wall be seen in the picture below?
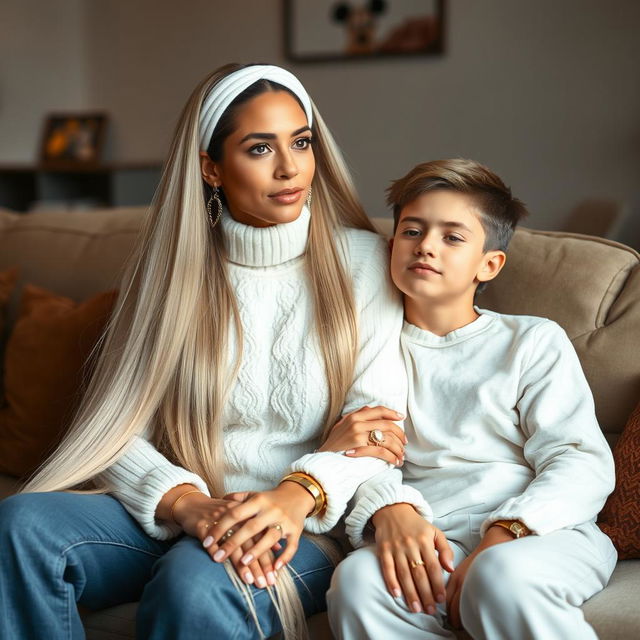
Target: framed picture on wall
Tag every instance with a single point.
(325, 30)
(73, 140)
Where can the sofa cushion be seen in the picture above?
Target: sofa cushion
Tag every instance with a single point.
(590, 287)
(46, 352)
(74, 253)
(620, 518)
(614, 612)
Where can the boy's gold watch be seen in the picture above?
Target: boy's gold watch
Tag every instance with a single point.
(516, 527)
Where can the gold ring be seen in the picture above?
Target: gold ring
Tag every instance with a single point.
(226, 536)
(417, 563)
(376, 437)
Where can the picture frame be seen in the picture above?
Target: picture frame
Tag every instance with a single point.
(73, 140)
(329, 30)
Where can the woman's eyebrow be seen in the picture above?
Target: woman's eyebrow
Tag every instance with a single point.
(272, 136)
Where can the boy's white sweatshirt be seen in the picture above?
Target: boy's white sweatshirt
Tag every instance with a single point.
(500, 420)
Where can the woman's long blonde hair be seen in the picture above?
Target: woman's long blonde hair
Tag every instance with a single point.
(163, 370)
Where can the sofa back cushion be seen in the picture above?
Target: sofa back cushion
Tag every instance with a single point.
(75, 254)
(591, 288)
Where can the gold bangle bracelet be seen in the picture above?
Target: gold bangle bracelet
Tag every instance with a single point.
(175, 502)
(312, 486)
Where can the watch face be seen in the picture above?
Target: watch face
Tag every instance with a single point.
(517, 529)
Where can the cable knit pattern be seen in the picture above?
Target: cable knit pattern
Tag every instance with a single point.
(277, 407)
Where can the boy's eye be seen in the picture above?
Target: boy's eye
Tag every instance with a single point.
(411, 233)
(259, 149)
(454, 239)
(303, 143)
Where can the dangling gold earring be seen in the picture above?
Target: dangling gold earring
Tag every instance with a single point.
(215, 195)
(309, 198)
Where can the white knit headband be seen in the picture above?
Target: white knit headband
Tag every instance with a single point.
(230, 87)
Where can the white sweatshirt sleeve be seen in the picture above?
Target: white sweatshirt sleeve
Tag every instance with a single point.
(380, 491)
(379, 377)
(140, 478)
(573, 464)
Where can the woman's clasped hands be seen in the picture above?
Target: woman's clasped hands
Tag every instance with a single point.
(246, 528)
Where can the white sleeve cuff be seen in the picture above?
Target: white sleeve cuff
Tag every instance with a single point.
(339, 477)
(140, 478)
(375, 499)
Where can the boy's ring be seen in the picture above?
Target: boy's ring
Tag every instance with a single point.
(417, 563)
(376, 437)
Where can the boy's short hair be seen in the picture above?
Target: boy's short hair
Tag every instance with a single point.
(499, 210)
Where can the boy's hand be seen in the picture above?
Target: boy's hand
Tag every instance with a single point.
(351, 435)
(412, 554)
(494, 535)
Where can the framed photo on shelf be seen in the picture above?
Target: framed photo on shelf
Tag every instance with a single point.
(73, 140)
(330, 30)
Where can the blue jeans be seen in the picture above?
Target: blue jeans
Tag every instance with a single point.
(57, 549)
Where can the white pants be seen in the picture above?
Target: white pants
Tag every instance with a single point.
(531, 588)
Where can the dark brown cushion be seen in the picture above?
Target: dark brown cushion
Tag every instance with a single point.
(50, 343)
(620, 518)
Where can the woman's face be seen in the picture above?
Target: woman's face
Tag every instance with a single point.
(267, 162)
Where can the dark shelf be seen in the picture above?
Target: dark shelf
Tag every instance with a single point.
(120, 184)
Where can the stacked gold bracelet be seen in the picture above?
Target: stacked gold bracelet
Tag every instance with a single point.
(312, 486)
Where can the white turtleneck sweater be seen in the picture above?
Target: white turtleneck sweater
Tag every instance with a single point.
(276, 408)
(501, 422)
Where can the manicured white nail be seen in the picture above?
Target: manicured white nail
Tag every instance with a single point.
(261, 582)
(218, 555)
(397, 593)
(248, 576)
(349, 452)
(247, 559)
(278, 565)
(271, 578)
(207, 542)
(415, 605)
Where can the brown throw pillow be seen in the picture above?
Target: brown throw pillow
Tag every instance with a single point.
(620, 518)
(50, 343)
(7, 283)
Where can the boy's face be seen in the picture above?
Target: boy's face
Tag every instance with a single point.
(438, 249)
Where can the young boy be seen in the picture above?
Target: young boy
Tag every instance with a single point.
(506, 467)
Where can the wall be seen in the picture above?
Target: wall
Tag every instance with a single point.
(546, 93)
(43, 64)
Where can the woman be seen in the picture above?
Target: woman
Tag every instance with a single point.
(253, 315)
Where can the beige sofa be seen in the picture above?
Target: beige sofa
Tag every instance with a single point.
(590, 286)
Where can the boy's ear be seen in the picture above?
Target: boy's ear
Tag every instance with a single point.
(492, 264)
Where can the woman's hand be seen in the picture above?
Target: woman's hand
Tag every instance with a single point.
(494, 535)
(351, 435)
(196, 513)
(412, 554)
(267, 517)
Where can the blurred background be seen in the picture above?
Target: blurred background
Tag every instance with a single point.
(546, 93)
